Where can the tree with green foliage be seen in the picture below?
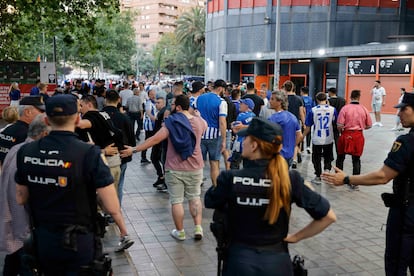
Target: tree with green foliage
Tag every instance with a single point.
(191, 28)
(183, 51)
(21, 20)
(165, 53)
(190, 35)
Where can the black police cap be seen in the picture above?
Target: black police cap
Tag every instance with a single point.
(408, 99)
(62, 105)
(36, 101)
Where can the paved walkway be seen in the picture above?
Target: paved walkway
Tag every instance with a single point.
(354, 245)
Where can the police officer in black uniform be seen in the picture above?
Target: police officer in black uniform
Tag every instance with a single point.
(258, 200)
(399, 245)
(59, 177)
(29, 108)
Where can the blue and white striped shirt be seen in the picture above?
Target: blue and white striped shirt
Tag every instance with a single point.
(321, 117)
(211, 108)
(148, 123)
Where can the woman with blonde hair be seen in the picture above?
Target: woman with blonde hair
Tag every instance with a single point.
(257, 200)
(14, 94)
(10, 114)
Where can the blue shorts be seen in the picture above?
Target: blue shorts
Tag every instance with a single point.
(212, 147)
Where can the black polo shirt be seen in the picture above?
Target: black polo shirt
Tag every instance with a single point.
(401, 159)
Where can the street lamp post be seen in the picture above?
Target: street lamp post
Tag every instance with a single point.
(277, 48)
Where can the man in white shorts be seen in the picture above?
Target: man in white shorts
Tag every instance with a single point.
(378, 100)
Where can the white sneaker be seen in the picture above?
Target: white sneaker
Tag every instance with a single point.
(394, 128)
(380, 124)
(178, 235)
(124, 243)
(375, 124)
(198, 232)
(308, 150)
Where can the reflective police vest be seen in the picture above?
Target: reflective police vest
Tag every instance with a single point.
(58, 190)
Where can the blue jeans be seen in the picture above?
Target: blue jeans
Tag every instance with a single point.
(121, 181)
(211, 147)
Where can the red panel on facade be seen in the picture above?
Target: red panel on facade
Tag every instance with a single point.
(371, 3)
(221, 5)
(303, 2)
(246, 3)
(216, 5)
(210, 6)
(347, 2)
(390, 4)
(410, 4)
(260, 3)
(234, 4)
(310, 2)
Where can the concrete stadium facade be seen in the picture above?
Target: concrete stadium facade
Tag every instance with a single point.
(318, 38)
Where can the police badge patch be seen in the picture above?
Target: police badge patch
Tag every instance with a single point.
(396, 146)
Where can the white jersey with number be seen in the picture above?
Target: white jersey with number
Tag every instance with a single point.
(321, 118)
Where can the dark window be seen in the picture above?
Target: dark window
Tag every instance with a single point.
(284, 69)
(299, 68)
(247, 68)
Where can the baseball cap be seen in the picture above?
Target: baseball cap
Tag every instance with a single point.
(197, 86)
(264, 130)
(36, 101)
(61, 105)
(408, 99)
(248, 102)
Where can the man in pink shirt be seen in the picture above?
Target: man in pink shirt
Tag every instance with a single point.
(184, 163)
(352, 120)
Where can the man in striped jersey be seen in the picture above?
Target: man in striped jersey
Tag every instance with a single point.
(150, 116)
(213, 109)
(321, 118)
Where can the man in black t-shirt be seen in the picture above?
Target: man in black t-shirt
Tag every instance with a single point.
(158, 151)
(123, 123)
(338, 103)
(16, 133)
(251, 94)
(97, 128)
(297, 108)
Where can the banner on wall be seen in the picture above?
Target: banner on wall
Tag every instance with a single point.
(395, 66)
(362, 66)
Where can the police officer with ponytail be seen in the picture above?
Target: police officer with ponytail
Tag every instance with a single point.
(59, 177)
(258, 202)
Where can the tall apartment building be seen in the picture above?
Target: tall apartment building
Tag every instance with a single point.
(156, 17)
